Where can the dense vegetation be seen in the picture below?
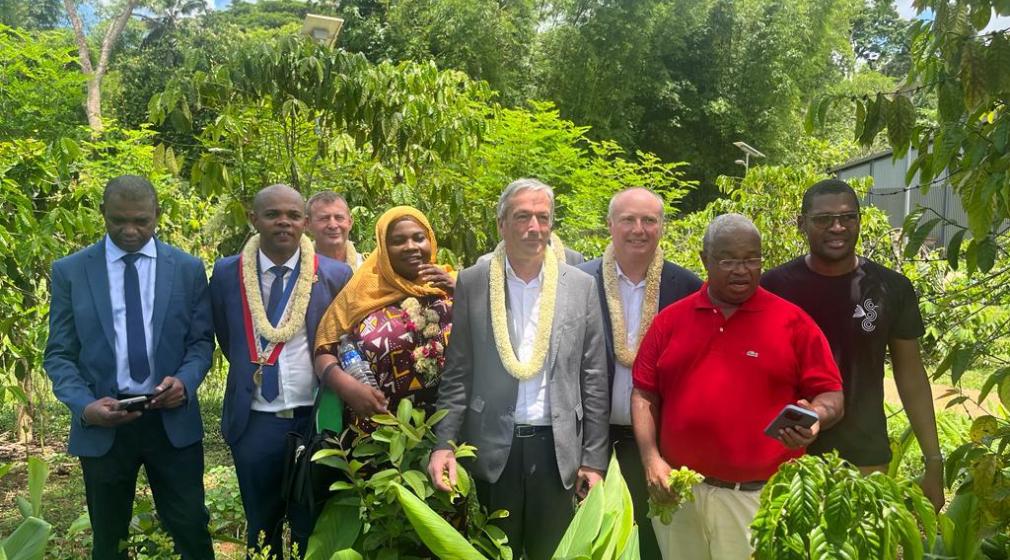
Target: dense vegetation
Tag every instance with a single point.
(439, 103)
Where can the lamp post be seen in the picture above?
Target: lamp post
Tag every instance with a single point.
(323, 29)
(748, 151)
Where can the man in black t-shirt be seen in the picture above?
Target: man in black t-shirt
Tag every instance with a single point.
(863, 309)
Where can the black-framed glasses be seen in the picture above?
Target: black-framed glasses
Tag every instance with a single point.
(729, 265)
(824, 221)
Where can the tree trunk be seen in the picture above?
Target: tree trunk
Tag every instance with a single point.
(93, 106)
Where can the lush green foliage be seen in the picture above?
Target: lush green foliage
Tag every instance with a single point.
(366, 513)
(681, 483)
(822, 507)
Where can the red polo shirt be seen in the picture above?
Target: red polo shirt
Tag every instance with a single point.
(722, 381)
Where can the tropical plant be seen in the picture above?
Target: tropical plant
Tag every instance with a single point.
(818, 507)
(28, 541)
(364, 513)
(603, 527)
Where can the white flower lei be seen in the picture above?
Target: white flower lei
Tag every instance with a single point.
(624, 354)
(294, 315)
(499, 320)
(353, 259)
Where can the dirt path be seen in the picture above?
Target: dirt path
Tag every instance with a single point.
(942, 394)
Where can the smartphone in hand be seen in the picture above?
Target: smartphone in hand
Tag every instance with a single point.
(791, 416)
(133, 404)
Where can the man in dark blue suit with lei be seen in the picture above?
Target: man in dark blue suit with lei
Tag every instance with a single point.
(633, 284)
(130, 316)
(267, 302)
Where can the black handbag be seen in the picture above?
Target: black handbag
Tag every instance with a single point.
(307, 483)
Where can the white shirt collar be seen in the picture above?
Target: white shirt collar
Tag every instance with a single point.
(510, 273)
(266, 263)
(113, 253)
(622, 276)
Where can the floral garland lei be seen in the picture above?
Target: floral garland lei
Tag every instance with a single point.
(351, 256)
(558, 247)
(624, 354)
(429, 355)
(294, 315)
(499, 319)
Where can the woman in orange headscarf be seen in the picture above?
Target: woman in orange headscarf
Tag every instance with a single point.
(397, 310)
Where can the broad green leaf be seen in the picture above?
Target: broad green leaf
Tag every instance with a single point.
(578, 538)
(954, 248)
(900, 121)
(336, 529)
(346, 554)
(436, 533)
(917, 238)
(28, 541)
(38, 472)
(950, 100)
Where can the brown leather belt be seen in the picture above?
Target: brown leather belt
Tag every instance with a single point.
(745, 486)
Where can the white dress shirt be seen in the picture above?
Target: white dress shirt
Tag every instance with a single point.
(632, 296)
(115, 268)
(297, 382)
(532, 403)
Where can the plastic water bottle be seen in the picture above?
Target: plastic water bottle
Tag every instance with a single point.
(352, 362)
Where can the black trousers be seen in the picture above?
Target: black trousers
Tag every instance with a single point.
(623, 440)
(259, 456)
(176, 479)
(530, 488)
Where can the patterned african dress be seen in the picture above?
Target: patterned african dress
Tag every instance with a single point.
(393, 344)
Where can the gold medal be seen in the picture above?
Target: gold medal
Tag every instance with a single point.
(258, 376)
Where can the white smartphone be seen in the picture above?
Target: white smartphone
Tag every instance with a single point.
(791, 416)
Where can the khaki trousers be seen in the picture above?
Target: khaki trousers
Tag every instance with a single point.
(716, 526)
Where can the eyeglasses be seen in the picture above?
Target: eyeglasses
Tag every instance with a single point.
(729, 265)
(824, 221)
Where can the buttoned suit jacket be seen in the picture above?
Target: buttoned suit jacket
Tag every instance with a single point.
(480, 395)
(675, 282)
(229, 326)
(80, 355)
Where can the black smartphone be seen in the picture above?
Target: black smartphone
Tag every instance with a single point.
(133, 404)
(791, 416)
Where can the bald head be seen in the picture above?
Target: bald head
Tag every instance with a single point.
(280, 190)
(638, 196)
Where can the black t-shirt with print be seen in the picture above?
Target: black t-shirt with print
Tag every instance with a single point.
(859, 313)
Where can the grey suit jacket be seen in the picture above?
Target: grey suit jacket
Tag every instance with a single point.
(480, 395)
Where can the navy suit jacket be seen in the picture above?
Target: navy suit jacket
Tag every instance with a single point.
(230, 328)
(80, 355)
(675, 282)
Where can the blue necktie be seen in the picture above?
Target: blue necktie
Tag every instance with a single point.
(136, 338)
(270, 388)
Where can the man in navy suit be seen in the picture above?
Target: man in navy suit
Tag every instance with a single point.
(267, 303)
(130, 316)
(641, 283)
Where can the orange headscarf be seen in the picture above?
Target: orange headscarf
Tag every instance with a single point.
(375, 284)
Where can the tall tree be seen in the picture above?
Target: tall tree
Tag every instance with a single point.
(96, 72)
(880, 38)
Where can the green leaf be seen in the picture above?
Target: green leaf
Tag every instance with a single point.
(336, 529)
(917, 238)
(346, 554)
(441, 538)
(973, 75)
(900, 121)
(38, 472)
(578, 538)
(28, 541)
(950, 100)
(954, 248)
(962, 359)
(5, 468)
(987, 253)
(994, 379)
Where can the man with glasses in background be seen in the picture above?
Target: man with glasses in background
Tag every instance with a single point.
(864, 309)
(713, 371)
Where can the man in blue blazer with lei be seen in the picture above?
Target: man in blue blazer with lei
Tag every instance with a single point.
(130, 316)
(267, 302)
(633, 284)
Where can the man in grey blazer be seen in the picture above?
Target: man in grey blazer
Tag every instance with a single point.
(525, 378)
(633, 284)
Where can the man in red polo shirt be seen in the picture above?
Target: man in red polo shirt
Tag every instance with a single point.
(712, 372)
